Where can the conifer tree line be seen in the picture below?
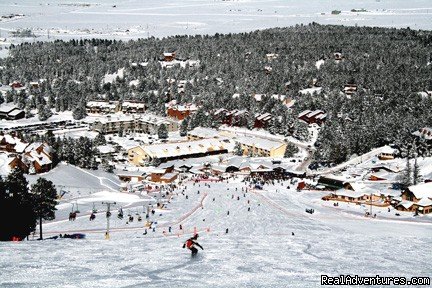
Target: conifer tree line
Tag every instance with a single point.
(389, 67)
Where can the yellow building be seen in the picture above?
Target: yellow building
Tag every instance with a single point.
(260, 147)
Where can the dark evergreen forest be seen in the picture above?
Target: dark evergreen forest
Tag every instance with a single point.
(389, 66)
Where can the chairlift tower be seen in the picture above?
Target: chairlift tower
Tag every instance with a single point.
(108, 215)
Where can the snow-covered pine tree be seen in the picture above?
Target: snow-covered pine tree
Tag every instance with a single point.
(291, 149)
(416, 178)
(405, 178)
(162, 132)
(237, 149)
(184, 127)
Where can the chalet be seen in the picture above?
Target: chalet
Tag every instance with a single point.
(16, 85)
(239, 117)
(350, 89)
(417, 192)
(169, 56)
(262, 120)
(133, 107)
(387, 153)
(424, 134)
(105, 151)
(34, 84)
(181, 111)
(271, 56)
(38, 157)
(141, 155)
(261, 147)
(417, 198)
(231, 118)
(156, 174)
(11, 112)
(317, 116)
(10, 143)
(332, 182)
(168, 177)
(102, 107)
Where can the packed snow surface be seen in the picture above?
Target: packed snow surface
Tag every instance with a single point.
(259, 249)
(127, 19)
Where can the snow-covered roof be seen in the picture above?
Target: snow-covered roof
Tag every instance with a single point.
(7, 108)
(186, 148)
(102, 104)
(423, 190)
(202, 132)
(259, 143)
(406, 204)
(425, 133)
(258, 97)
(424, 202)
(105, 149)
(388, 150)
(40, 158)
(304, 113)
(129, 173)
(349, 193)
(132, 104)
(169, 176)
(311, 90)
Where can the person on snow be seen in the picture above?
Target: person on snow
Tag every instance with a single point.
(191, 243)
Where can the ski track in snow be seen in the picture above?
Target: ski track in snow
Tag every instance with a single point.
(258, 251)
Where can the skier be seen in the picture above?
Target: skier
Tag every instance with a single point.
(190, 244)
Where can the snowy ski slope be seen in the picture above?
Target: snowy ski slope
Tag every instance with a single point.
(258, 251)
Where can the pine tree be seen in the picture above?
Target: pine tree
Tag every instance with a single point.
(416, 172)
(99, 140)
(45, 194)
(162, 132)
(238, 150)
(290, 150)
(184, 127)
(405, 178)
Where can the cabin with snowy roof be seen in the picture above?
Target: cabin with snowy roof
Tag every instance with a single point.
(102, 107)
(169, 56)
(133, 107)
(11, 112)
(180, 112)
(262, 120)
(417, 198)
(316, 116)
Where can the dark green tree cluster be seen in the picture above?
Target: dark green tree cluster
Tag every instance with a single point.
(22, 208)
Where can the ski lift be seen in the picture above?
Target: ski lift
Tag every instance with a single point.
(120, 213)
(94, 210)
(77, 210)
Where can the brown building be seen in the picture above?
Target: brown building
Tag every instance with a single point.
(181, 111)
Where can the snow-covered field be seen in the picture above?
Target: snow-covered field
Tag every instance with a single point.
(258, 251)
(127, 19)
